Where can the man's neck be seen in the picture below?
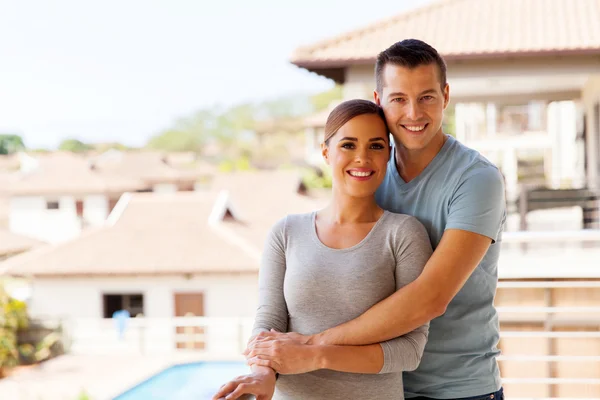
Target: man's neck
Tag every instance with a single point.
(410, 163)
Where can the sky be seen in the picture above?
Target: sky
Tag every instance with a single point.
(124, 70)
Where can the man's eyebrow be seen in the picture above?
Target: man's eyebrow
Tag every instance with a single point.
(396, 94)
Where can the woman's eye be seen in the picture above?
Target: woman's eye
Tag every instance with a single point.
(347, 145)
(377, 146)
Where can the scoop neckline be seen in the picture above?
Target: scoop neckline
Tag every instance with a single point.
(322, 245)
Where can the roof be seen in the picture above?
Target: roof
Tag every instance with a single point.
(463, 29)
(11, 243)
(114, 172)
(259, 199)
(62, 173)
(176, 233)
(149, 166)
(156, 234)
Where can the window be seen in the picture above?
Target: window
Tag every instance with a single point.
(134, 303)
(52, 205)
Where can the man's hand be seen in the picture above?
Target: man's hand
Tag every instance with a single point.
(260, 384)
(286, 353)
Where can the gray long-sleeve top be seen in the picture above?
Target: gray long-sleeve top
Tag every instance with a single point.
(307, 287)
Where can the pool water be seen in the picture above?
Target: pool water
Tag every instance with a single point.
(197, 381)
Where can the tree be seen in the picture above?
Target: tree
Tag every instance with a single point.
(74, 145)
(175, 140)
(321, 101)
(11, 144)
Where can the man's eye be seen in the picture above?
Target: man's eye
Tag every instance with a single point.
(398, 100)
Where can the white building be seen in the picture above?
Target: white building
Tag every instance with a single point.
(55, 197)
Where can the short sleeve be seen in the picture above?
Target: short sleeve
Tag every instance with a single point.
(478, 203)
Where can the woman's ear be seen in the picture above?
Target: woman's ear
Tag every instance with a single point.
(325, 152)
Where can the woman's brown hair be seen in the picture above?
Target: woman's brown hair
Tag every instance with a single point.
(347, 110)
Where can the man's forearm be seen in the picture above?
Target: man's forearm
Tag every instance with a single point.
(357, 359)
(400, 313)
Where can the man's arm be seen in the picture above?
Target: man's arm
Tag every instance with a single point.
(451, 264)
(288, 353)
(475, 218)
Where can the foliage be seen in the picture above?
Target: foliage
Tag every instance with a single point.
(13, 317)
(84, 396)
(321, 101)
(11, 144)
(317, 179)
(175, 140)
(239, 164)
(75, 146)
(239, 132)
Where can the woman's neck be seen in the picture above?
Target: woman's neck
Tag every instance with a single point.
(345, 209)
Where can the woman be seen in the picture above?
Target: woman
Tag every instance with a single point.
(327, 267)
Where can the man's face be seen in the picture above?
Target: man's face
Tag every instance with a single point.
(413, 103)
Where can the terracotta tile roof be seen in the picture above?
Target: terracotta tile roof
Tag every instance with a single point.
(65, 173)
(157, 234)
(111, 172)
(259, 199)
(149, 166)
(11, 243)
(469, 28)
(171, 233)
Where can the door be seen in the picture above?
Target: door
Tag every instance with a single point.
(189, 305)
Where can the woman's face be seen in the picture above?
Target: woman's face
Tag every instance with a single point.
(358, 154)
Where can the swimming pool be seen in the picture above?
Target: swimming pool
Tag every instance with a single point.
(198, 381)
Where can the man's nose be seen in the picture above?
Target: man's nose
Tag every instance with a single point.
(414, 111)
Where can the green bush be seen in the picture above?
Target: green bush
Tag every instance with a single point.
(13, 317)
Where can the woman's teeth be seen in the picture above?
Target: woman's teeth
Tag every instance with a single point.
(357, 173)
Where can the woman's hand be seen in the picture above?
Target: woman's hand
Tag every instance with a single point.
(259, 383)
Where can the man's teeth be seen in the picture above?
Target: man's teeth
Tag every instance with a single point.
(415, 128)
(358, 173)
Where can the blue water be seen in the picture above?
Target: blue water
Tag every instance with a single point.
(196, 381)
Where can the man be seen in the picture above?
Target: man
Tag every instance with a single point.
(459, 196)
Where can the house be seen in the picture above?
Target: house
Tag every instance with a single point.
(164, 256)
(55, 196)
(12, 244)
(524, 80)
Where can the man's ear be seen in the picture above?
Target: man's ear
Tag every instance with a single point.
(325, 152)
(446, 95)
(376, 98)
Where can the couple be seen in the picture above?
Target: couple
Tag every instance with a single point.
(353, 303)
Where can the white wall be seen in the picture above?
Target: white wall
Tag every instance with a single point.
(164, 188)
(29, 216)
(360, 82)
(95, 209)
(224, 295)
(591, 96)
(562, 127)
(78, 302)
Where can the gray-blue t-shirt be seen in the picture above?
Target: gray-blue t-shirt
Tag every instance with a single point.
(459, 189)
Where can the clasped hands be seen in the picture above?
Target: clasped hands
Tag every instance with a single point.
(284, 353)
